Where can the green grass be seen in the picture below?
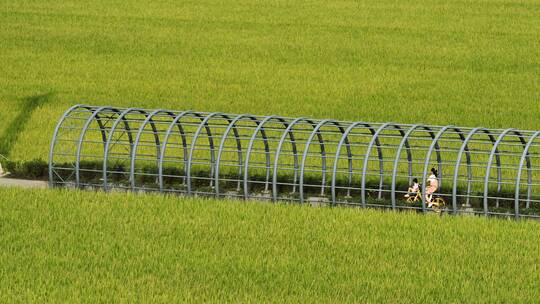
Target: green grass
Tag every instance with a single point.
(78, 246)
(474, 63)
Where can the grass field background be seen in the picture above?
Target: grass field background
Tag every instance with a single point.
(471, 63)
(73, 245)
(474, 63)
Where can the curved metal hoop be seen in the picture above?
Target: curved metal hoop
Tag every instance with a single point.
(80, 142)
(343, 139)
(428, 158)
(405, 143)
(55, 137)
(524, 158)
(260, 128)
(495, 153)
(465, 148)
(149, 119)
(203, 124)
(176, 121)
(232, 126)
(323, 155)
(375, 140)
(288, 131)
(121, 118)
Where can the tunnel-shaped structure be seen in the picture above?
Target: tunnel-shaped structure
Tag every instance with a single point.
(479, 170)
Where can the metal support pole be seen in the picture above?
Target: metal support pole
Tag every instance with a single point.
(522, 162)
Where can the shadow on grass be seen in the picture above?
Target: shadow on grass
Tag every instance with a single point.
(12, 132)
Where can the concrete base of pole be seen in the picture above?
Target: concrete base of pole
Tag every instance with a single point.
(232, 195)
(466, 209)
(263, 196)
(317, 201)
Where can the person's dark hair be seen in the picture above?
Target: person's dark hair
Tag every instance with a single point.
(415, 180)
(434, 171)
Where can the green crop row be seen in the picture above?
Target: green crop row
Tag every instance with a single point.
(64, 245)
(471, 63)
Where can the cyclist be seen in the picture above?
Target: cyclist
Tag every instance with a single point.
(433, 186)
(413, 189)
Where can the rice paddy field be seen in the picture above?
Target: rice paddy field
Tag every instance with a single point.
(472, 63)
(71, 246)
(467, 63)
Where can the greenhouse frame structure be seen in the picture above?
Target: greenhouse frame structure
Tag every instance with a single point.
(481, 170)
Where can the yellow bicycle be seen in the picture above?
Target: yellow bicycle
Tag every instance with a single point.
(414, 197)
(435, 202)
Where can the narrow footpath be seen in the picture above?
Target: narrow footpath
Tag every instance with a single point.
(23, 183)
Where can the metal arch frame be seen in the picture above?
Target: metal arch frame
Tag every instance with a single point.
(428, 159)
(64, 116)
(121, 117)
(232, 126)
(133, 156)
(260, 128)
(176, 121)
(405, 143)
(95, 115)
(288, 131)
(524, 158)
(465, 148)
(375, 139)
(323, 156)
(338, 153)
(495, 151)
(203, 124)
(81, 119)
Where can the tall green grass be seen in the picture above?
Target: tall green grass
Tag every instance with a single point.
(65, 245)
(466, 63)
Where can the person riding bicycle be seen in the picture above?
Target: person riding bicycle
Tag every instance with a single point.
(413, 189)
(433, 186)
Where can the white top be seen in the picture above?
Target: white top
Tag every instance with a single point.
(433, 183)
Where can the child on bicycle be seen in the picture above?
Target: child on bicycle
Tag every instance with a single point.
(413, 189)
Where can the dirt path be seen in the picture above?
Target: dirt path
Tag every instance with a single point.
(23, 183)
